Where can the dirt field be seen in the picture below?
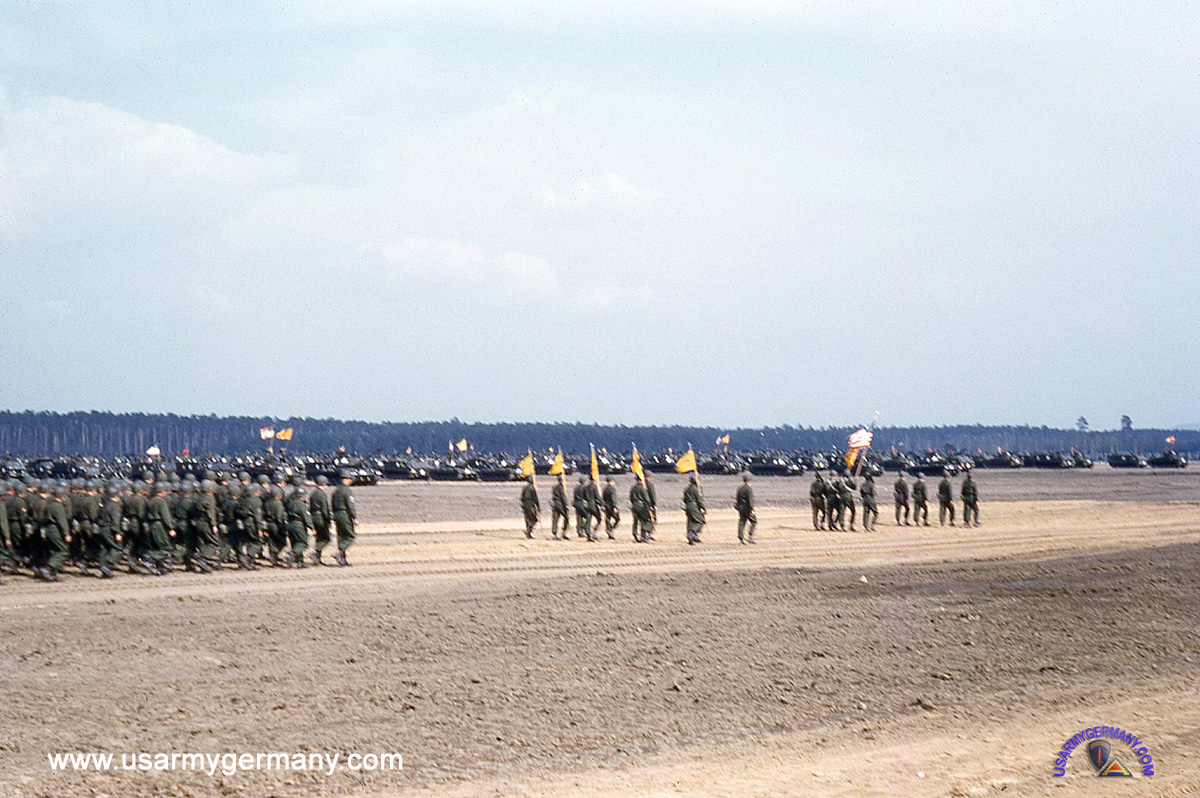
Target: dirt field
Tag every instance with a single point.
(909, 662)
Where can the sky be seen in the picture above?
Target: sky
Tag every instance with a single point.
(644, 213)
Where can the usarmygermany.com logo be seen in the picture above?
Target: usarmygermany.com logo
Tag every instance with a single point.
(1096, 741)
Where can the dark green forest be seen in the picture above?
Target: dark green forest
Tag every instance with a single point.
(103, 433)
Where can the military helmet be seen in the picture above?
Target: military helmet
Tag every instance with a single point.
(322, 479)
(208, 486)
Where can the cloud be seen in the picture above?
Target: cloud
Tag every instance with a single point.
(114, 174)
(437, 260)
(609, 188)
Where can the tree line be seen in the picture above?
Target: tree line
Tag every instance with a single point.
(102, 433)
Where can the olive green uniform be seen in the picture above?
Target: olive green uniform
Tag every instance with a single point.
(344, 516)
(970, 500)
(612, 514)
(920, 499)
(695, 510)
(945, 501)
(322, 517)
(159, 524)
(870, 514)
(583, 512)
(299, 522)
(531, 508)
(639, 506)
(558, 510)
(274, 523)
(900, 498)
(816, 499)
(743, 502)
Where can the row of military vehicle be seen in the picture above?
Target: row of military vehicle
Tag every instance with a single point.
(504, 468)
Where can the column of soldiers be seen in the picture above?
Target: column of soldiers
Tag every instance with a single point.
(831, 499)
(161, 521)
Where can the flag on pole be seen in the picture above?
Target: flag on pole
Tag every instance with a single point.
(284, 434)
(558, 466)
(723, 440)
(408, 450)
(851, 456)
(527, 465)
(266, 433)
(1171, 439)
(154, 451)
(595, 466)
(686, 462)
(461, 445)
(635, 465)
(861, 439)
(186, 452)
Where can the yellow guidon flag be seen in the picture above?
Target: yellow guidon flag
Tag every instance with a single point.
(595, 466)
(635, 465)
(850, 457)
(527, 465)
(284, 434)
(461, 445)
(686, 463)
(558, 466)
(723, 440)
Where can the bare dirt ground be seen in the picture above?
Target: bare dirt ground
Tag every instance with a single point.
(910, 661)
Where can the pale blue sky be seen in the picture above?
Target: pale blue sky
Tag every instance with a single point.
(630, 213)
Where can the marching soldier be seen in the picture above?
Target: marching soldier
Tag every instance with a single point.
(160, 530)
(612, 515)
(345, 514)
(833, 509)
(920, 500)
(318, 508)
(945, 500)
(900, 497)
(56, 534)
(275, 518)
(108, 531)
(583, 515)
(6, 551)
(250, 526)
(970, 500)
(558, 508)
(744, 503)
(653, 494)
(639, 506)
(846, 500)
(530, 506)
(137, 544)
(299, 521)
(870, 513)
(816, 498)
(694, 509)
(595, 507)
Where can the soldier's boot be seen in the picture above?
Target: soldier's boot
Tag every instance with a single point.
(106, 572)
(243, 563)
(275, 560)
(316, 558)
(83, 568)
(340, 558)
(203, 565)
(300, 563)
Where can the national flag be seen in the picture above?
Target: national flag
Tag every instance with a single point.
(461, 445)
(185, 452)
(635, 465)
(686, 463)
(861, 439)
(558, 466)
(527, 465)
(1171, 439)
(284, 434)
(266, 433)
(723, 440)
(154, 451)
(595, 466)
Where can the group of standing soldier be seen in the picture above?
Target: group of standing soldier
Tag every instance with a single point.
(832, 500)
(161, 520)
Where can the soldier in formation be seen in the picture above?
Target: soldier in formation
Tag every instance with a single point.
(743, 502)
(970, 500)
(558, 508)
(612, 514)
(920, 500)
(945, 500)
(695, 509)
(640, 509)
(816, 498)
(870, 513)
(900, 497)
(531, 508)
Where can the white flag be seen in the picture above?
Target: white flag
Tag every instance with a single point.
(861, 439)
